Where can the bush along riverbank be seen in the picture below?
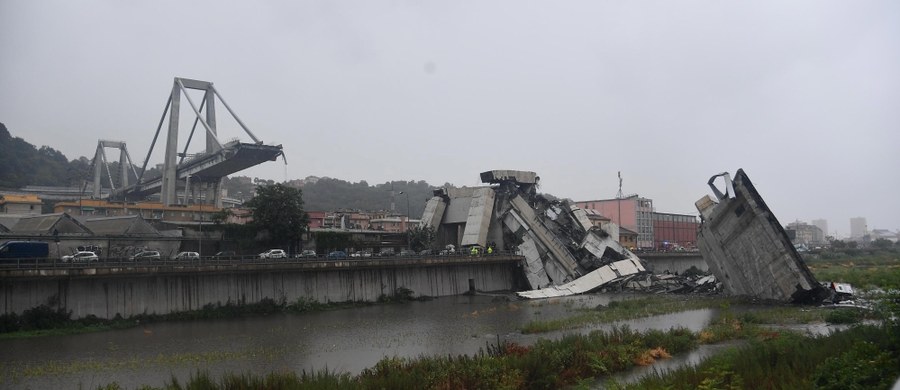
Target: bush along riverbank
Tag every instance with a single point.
(46, 320)
(863, 357)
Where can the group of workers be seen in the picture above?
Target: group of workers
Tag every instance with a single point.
(475, 250)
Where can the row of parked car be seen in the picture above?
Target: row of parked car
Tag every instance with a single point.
(88, 256)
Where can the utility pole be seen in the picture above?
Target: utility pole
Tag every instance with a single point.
(619, 203)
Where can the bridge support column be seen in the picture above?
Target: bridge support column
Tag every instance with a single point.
(170, 164)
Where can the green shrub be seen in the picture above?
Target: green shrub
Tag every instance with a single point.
(9, 323)
(843, 316)
(864, 366)
(44, 317)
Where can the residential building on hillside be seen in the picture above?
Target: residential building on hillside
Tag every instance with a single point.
(357, 220)
(631, 212)
(394, 224)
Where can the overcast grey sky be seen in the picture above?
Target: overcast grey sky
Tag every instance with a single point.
(804, 95)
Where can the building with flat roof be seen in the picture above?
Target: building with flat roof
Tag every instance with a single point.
(805, 234)
(151, 211)
(394, 224)
(858, 227)
(822, 224)
(20, 204)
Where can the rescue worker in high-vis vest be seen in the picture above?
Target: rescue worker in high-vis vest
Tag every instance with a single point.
(474, 251)
(490, 250)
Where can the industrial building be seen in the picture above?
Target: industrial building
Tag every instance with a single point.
(674, 231)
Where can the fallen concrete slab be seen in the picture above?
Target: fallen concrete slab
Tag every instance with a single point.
(747, 249)
(594, 279)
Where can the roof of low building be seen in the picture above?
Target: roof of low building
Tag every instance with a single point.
(125, 225)
(49, 224)
(20, 199)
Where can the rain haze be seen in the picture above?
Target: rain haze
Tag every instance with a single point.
(805, 96)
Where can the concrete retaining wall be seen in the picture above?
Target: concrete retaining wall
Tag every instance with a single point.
(129, 294)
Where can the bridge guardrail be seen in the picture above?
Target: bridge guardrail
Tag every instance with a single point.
(44, 264)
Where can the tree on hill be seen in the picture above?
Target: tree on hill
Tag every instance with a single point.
(24, 164)
(328, 194)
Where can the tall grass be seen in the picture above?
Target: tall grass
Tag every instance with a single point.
(863, 270)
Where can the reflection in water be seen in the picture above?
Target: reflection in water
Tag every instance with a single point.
(340, 340)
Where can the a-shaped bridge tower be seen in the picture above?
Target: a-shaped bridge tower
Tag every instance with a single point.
(199, 172)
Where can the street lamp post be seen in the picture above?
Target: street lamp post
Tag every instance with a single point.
(407, 207)
(187, 186)
(408, 241)
(200, 247)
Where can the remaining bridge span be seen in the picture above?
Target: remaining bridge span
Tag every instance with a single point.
(233, 157)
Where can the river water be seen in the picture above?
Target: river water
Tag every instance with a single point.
(347, 340)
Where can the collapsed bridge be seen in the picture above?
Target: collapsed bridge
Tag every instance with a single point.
(564, 253)
(747, 249)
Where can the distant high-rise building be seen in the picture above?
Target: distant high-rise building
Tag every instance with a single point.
(858, 227)
(821, 224)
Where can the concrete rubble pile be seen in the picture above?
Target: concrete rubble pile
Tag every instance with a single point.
(747, 249)
(564, 253)
(672, 284)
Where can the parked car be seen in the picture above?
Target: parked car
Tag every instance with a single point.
(225, 255)
(386, 252)
(187, 256)
(308, 254)
(145, 255)
(448, 250)
(407, 252)
(273, 254)
(337, 255)
(426, 252)
(80, 257)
